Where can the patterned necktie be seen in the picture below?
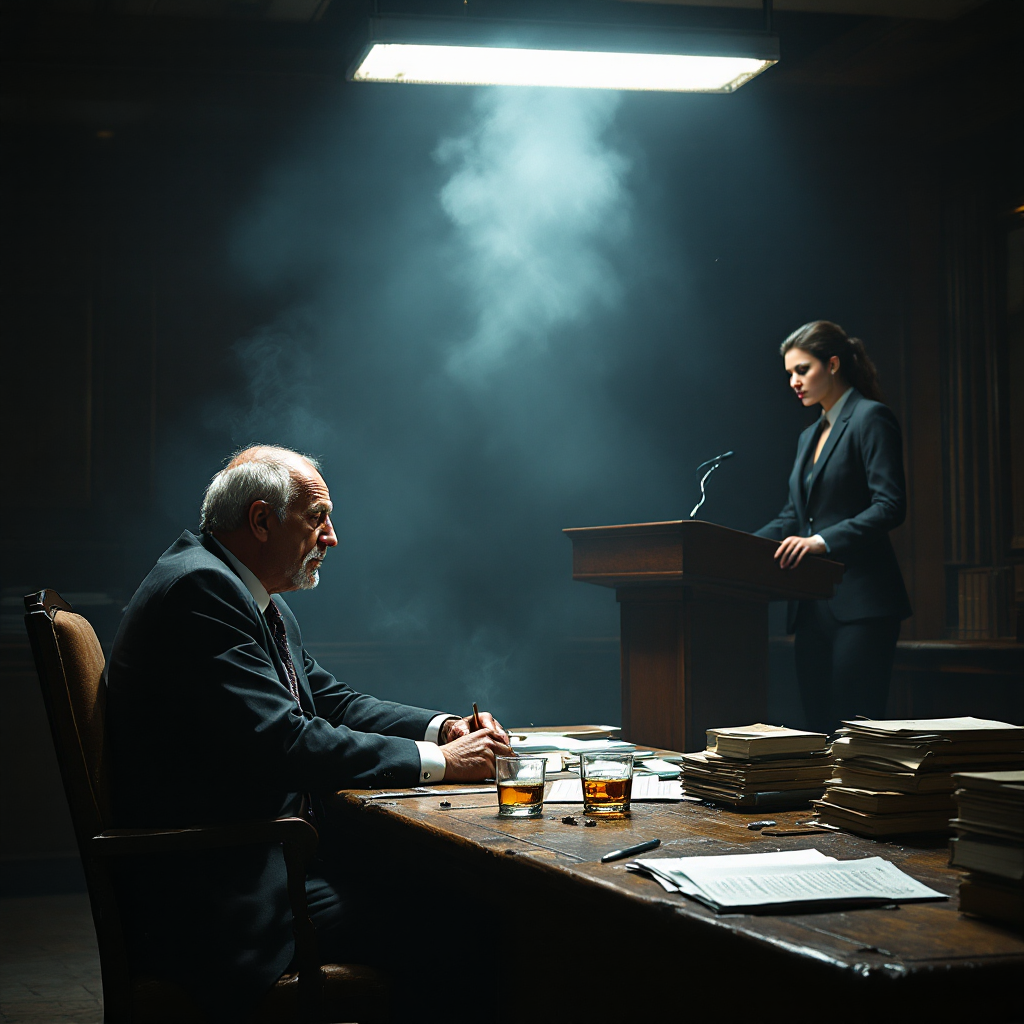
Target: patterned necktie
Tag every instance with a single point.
(277, 631)
(276, 622)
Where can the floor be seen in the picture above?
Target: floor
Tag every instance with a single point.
(49, 966)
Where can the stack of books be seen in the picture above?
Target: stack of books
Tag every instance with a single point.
(989, 844)
(896, 777)
(764, 766)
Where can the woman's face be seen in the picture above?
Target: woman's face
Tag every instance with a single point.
(810, 379)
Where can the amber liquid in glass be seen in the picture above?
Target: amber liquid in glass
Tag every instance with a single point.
(607, 795)
(519, 798)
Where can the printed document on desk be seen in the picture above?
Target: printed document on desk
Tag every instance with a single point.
(740, 882)
(669, 872)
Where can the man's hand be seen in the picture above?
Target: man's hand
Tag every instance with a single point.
(471, 758)
(791, 551)
(453, 728)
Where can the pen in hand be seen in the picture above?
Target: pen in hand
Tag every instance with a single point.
(630, 850)
(477, 726)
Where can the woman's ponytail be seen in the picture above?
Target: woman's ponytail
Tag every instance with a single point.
(861, 372)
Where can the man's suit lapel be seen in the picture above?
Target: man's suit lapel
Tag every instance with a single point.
(834, 435)
(267, 638)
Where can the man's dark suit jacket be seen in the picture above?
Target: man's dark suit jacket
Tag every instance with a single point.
(857, 495)
(202, 729)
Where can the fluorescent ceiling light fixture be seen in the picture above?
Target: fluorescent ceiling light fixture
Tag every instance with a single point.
(464, 52)
(574, 69)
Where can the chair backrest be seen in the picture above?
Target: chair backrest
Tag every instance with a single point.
(70, 664)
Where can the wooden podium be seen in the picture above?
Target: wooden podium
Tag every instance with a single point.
(694, 605)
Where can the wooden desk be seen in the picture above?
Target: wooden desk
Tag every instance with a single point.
(669, 958)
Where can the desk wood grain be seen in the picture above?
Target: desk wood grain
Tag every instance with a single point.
(913, 962)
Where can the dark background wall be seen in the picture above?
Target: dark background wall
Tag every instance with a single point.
(493, 314)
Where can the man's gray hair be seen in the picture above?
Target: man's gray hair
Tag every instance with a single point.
(264, 476)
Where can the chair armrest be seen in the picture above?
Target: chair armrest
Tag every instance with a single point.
(120, 842)
(296, 835)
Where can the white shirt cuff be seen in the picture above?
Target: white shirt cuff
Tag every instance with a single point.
(434, 728)
(432, 763)
(818, 536)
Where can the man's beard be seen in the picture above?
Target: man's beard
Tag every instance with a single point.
(303, 578)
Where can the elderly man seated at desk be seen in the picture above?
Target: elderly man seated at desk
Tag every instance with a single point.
(217, 713)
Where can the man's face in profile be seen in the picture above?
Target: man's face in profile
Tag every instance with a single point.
(301, 541)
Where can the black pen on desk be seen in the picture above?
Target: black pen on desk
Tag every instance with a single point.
(476, 718)
(630, 850)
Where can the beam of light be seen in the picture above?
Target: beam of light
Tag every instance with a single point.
(540, 206)
(579, 69)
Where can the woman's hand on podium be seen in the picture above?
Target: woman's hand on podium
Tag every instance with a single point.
(791, 551)
(470, 758)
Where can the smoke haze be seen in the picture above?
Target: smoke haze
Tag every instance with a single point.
(535, 195)
(459, 400)
(498, 313)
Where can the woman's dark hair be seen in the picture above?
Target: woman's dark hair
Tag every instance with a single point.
(824, 339)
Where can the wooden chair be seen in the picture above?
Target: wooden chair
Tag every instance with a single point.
(70, 664)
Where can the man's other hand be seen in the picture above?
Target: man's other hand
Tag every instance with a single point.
(453, 728)
(471, 758)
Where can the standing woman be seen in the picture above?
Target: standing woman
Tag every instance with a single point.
(846, 492)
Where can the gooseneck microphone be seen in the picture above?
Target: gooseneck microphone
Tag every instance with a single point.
(712, 465)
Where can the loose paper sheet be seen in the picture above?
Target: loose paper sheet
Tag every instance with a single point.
(752, 880)
(758, 731)
(540, 742)
(669, 872)
(663, 769)
(929, 726)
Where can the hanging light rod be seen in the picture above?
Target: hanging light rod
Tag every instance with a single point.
(479, 51)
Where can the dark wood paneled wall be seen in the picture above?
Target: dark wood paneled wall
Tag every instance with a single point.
(964, 202)
(1015, 371)
(921, 541)
(114, 302)
(957, 408)
(106, 302)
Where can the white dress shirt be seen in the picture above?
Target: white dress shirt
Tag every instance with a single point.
(432, 763)
(837, 407)
(832, 415)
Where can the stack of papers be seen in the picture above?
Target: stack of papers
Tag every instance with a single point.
(894, 777)
(743, 742)
(764, 881)
(990, 844)
(766, 766)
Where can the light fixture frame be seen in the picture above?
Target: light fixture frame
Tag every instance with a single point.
(560, 35)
